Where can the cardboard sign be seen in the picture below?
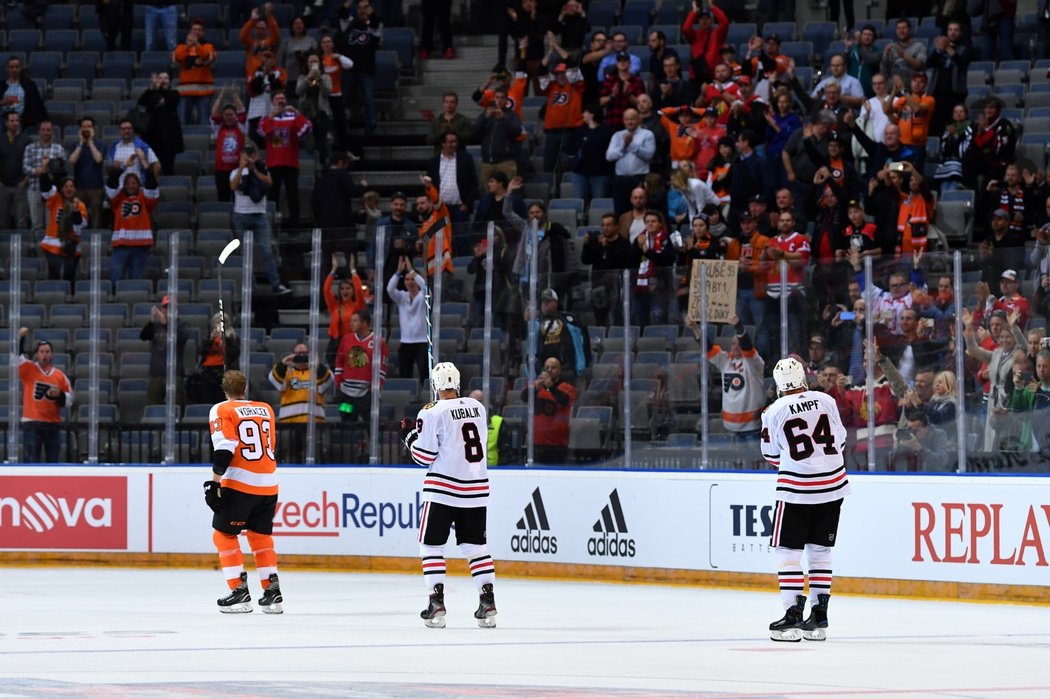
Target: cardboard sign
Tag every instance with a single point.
(721, 290)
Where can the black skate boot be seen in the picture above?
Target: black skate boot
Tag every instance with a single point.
(486, 614)
(815, 628)
(239, 601)
(789, 628)
(271, 600)
(434, 615)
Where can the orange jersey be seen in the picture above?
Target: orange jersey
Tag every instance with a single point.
(132, 217)
(340, 310)
(195, 80)
(246, 428)
(914, 123)
(564, 102)
(684, 144)
(429, 228)
(911, 223)
(515, 98)
(254, 48)
(36, 406)
(56, 212)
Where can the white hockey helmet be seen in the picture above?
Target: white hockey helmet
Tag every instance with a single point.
(445, 377)
(790, 375)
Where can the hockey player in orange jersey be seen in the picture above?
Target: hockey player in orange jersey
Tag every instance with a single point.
(243, 493)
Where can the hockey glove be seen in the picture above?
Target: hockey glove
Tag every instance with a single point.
(212, 496)
(408, 431)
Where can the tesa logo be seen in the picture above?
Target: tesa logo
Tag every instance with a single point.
(63, 512)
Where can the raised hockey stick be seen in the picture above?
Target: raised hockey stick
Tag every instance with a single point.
(230, 248)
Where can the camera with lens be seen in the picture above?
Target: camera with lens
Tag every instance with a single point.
(57, 169)
(905, 433)
(301, 358)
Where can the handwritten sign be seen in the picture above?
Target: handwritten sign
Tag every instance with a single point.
(721, 290)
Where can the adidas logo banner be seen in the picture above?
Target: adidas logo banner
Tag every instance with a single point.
(611, 533)
(533, 530)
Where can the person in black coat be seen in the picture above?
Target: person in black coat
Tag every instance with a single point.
(34, 111)
(164, 134)
(747, 176)
(332, 199)
(466, 185)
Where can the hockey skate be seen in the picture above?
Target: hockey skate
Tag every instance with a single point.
(486, 614)
(434, 615)
(271, 601)
(815, 628)
(789, 628)
(239, 601)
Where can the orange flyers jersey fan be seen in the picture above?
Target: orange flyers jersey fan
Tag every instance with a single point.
(246, 428)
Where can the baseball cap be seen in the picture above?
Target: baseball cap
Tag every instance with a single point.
(773, 36)
(549, 295)
(727, 49)
(746, 216)
(742, 80)
(623, 56)
(249, 147)
(703, 13)
(758, 198)
(561, 68)
(1009, 274)
(818, 340)
(398, 195)
(1001, 213)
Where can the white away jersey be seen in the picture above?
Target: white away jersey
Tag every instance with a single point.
(451, 440)
(803, 436)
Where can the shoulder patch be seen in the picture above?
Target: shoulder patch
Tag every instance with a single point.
(430, 405)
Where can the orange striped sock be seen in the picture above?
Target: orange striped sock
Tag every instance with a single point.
(265, 556)
(231, 560)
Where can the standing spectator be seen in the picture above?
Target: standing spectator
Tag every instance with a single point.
(434, 216)
(873, 119)
(881, 155)
(164, 14)
(243, 493)
(313, 89)
(742, 369)
(217, 351)
(781, 123)
(196, 78)
(295, 50)
(131, 154)
(747, 176)
(13, 144)
(630, 149)
(999, 362)
(620, 90)
(590, 60)
(268, 79)
(852, 90)
(20, 94)
(591, 173)
(284, 130)
(449, 437)
(250, 182)
(401, 234)
(792, 247)
(765, 59)
(228, 128)
(552, 251)
(863, 56)
(360, 40)
(751, 280)
(155, 332)
(705, 41)
(450, 119)
(571, 26)
(659, 52)
(412, 316)
(948, 63)
(993, 145)
(353, 368)
(912, 112)
(66, 217)
(332, 197)
(165, 131)
(905, 55)
(652, 286)
(608, 253)
(997, 27)
(437, 12)
(41, 156)
(342, 304)
(259, 34)
(502, 267)
(116, 18)
(491, 207)
(452, 172)
(497, 129)
(334, 64)
(1001, 251)
(86, 158)
(672, 90)
(563, 114)
(958, 133)
(45, 391)
(619, 44)
(555, 398)
(132, 207)
(530, 28)
(293, 375)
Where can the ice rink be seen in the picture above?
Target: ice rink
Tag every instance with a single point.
(84, 632)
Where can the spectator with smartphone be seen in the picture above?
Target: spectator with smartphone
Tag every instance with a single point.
(155, 332)
(284, 130)
(555, 398)
(292, 376)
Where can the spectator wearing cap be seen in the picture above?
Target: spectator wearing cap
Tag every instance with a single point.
(155, 332)
(705, 31)
(563, 88)
(631, 149)
(452, 171)
(491, 205)
(132, 206)
(249, 183)
(267, 79)
(609, 63)
(948, 63)
(590, 172)
(747, 175)
(708, 133)
(863, 56)
(1001, 250)
(851, 90)
(450, 119)
(229, 129)
(620, 90)
(608, 253)
(497, 129)
(905, 55)
(1009, 301)
(817, 356)
(659, 52)
(45, 391)
(912, 113)
(313, 89)
(554, 339)
(680, 124)
(728, 54)
(258, 35)
(672, 90)
(765, 219)
(765, 57)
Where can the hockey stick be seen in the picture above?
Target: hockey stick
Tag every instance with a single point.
(430, 345)
(230, 248)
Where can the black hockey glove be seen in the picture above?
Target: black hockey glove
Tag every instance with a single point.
(408, 431)
(212, 495)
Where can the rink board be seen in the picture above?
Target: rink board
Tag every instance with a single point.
(897, 533)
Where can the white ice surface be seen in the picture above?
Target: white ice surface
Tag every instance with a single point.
(129, 633)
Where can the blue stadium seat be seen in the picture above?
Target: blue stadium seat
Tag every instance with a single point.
(634, 33)
(229, 64)
(402, 40)
(92, 40)
(88, 18)
(212, 13)
(386, 74)
(786, 30)
(741, 33)
(672, 12)
(24, 40)
(820, 33)
(59, 16)
(16, 19)
(638, 12)
(45, 65)
(63, 40)
(603, 13)
(155, 62)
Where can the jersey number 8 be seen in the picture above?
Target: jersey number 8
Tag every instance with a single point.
(473, 449)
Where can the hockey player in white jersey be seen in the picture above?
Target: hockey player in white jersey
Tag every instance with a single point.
(450, 437)
(803, 436)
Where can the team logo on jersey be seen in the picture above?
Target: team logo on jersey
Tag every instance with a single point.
(40, 390)
(732, 382)
(561, 98)
(611, 532)
(130, 208)
(534, 536)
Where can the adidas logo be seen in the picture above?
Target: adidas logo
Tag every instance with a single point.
(535, 526)
(611, 529)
